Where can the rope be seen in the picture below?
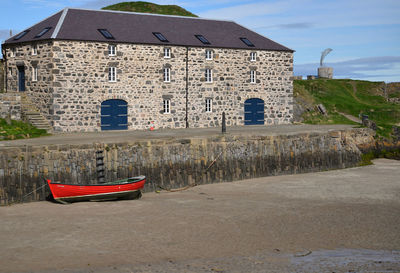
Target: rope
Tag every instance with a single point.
(22, 198)
(33, 191)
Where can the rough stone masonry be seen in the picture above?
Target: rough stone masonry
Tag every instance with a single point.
(72, 82)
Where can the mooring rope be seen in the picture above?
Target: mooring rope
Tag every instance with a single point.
(33, 191)
(22, 198)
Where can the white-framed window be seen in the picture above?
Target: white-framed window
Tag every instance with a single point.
(208, 75)
(252, 76)
(112, 74)
(13, 52)
(167, 106)
(34, 50)
(167, 52)
(209, 54)
(253, 56)
(34, 74)
(208, 105)
(112, 50)
(167, 74)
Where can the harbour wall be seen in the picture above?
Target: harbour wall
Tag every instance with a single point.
(176, 163)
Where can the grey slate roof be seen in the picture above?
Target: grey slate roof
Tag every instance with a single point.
(138, 28)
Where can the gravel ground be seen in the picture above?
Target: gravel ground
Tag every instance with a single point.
(127, 136)
(337, 221)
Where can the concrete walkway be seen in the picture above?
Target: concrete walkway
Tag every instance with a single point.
(350, 117)
(337, 221)
(126, 136)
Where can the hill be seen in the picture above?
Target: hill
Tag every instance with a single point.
(345, 100)
(146, 7)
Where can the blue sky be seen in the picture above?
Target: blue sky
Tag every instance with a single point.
(364, 35)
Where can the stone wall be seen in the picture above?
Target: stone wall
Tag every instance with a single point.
(40, 91)
(83, 84)
(175, 163)
(2, 88)
(231, 87)
(10, 106)
(73, 82)
(82, 80)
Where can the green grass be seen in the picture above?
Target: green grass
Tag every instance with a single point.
(146, 7)
(395, 95)
(349, 97)
(19, 130)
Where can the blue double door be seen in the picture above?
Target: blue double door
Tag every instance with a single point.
(254, 112)
(114, 115)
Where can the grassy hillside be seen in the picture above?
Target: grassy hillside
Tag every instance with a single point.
(147, 7)
(349, 97)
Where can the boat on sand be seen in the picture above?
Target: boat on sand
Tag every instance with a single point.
(129, 188)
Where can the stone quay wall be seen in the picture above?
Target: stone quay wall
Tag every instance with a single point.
(176, 163)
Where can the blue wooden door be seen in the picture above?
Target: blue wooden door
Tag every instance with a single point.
(114, 115)
(21, 78)
(254, 112)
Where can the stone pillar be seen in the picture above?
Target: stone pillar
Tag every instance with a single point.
(325, 72)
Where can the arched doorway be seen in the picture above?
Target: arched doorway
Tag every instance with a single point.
(254, 112)
(114, 115)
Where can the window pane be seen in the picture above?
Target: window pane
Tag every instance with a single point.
(167, 74)
(247, 42)
(160, 37)
(106, 33)
(167, 52)
(43, 32)
(112, 74)
(202, 39)
(252, 76)
(166, 106)
(22, 34)
(208, 105)
(208, 75)
(112, 50)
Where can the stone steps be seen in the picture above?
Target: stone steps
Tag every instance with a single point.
(32, 115)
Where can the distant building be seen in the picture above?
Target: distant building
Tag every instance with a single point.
(325, 72)
(92, 70)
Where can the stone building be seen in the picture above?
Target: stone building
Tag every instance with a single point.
(92, 70)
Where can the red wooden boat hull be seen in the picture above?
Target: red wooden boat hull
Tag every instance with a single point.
(123, 189)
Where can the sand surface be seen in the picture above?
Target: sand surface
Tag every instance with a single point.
(334, 221)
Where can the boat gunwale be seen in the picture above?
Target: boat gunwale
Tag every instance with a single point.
(115, 183)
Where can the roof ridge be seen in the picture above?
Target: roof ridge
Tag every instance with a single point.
(60, 23)
(153, 14)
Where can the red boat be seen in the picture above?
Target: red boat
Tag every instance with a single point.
(121, 189)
